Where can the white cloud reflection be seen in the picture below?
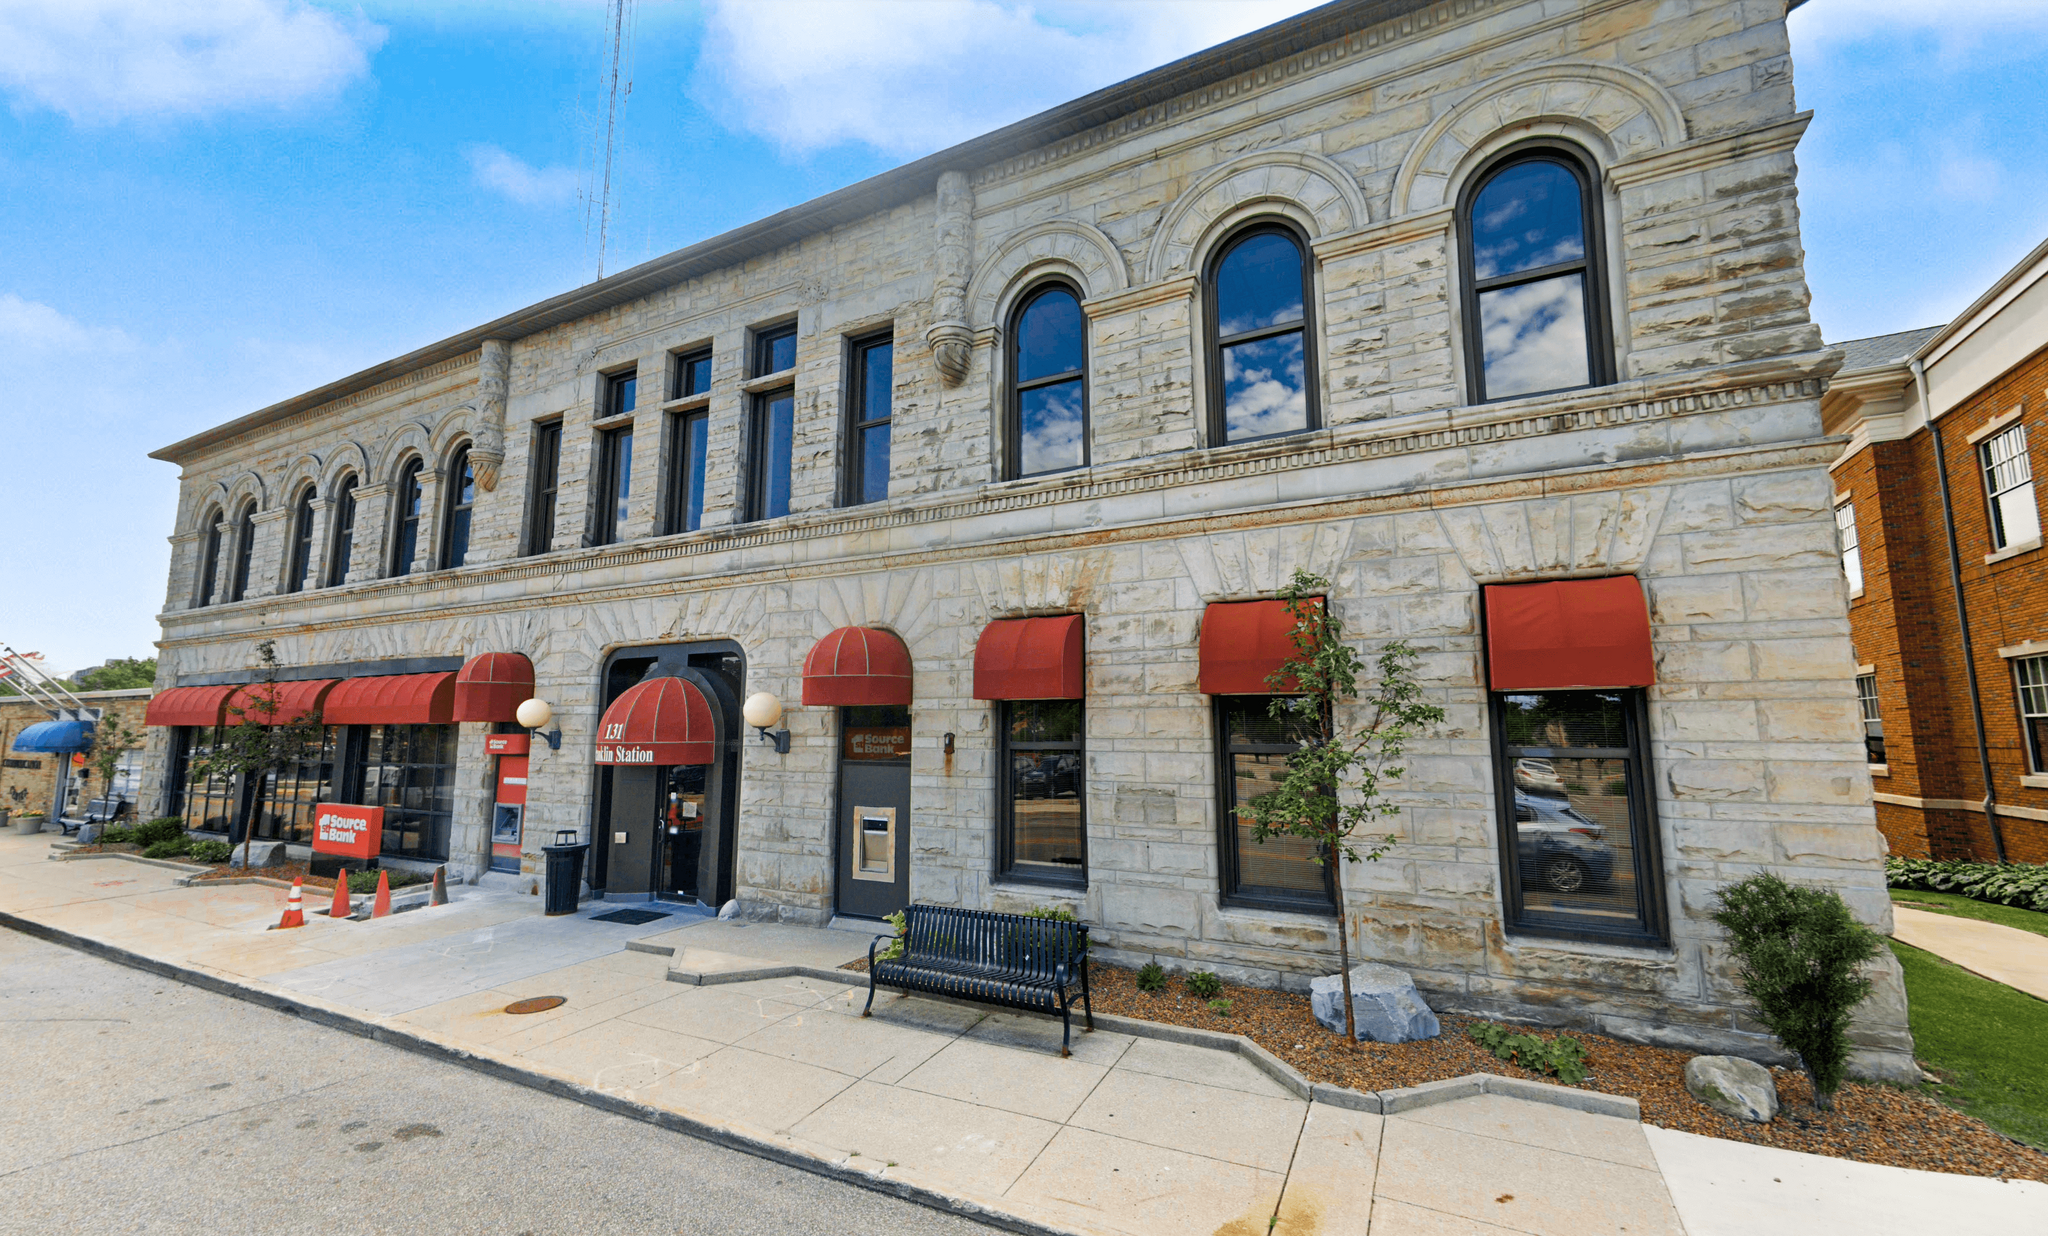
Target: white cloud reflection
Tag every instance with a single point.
(1534, 336)
(1264, 388)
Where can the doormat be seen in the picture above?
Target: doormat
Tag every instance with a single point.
(632, 918)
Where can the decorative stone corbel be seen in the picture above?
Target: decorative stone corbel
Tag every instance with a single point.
(493, 376)
(950, 337)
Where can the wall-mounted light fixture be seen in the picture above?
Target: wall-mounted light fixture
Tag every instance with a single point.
(949, 744)
(535, 713)
(762, 710)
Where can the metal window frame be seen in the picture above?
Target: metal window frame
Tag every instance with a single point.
(858, 418)
(341, 542)
(1988, 464)
(209, 562)
(612, 393)
(2037, 759)
(353, 752)
(1215, 343)
(757, 452)
(762, 352)
(1014, 391)
(1645, 832)
(299, 568)
(1600, 362)
(1229, 887)
(1872, 711)
(546, 487)
(453, 505)
(675, 513)
(606, 530)
(1006, 871)
(245, 552)
(410, 493)
(680, 369)
(326, 752)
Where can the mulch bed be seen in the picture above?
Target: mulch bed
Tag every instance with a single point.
(1870, 1123)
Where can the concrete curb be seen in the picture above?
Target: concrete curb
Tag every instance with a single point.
(167, 864)
(675, 1122)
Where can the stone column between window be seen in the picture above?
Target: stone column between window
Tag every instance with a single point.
(372, 533)
(270, 530)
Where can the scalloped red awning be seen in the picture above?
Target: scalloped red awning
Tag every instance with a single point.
(396, 699)
(201, 706)
(1242, 642)
(857, 665)
(293, 699)
(1029, 659)
(1584, 634)
(491, 686)
(660, 721)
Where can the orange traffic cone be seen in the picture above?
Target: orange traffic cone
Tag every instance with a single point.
(382, 905)
(342, 906)
(439, 896)
(295, 909)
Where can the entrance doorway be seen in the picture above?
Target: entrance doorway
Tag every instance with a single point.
(667, 830)
(873, 829)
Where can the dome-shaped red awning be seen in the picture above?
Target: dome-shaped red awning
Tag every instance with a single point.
(491, 686)
(394, 699)
(660, 721)
(293, 700)
(857, 665)
(1029, 659)
(201, 706)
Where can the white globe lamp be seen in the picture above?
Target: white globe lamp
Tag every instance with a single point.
(535, 713)
(762, 710)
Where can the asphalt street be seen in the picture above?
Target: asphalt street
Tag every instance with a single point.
(135, 1104)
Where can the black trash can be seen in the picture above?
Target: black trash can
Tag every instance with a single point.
(565, 871)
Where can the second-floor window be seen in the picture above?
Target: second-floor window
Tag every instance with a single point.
(344, 533)
(615, 483)
(874, 377)
(461, 506)
(245, 551)
(301, 567)
(691, 435)
(547, 480)
(2030, 675)
(1852, 547)
(209, 560)
(621, 394)
(1048, 421)
(771, 428)
(405, 543)
(1260, 362)
(1873, 720)
(2009, 484)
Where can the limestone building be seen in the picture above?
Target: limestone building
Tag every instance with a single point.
(1491, 312)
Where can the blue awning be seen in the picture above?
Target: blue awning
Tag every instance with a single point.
(55, 737)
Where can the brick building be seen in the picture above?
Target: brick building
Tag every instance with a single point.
(1949, 599)
(28, 779)
(1492, 312)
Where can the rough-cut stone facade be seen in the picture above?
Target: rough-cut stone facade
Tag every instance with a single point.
(1702, 470)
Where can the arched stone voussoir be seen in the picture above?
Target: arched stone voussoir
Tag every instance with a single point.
(1312, 190)
(346, 458)
(410, 440)
(1077, 249)
(243, 488)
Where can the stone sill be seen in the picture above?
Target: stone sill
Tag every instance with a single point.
(1885, 770)
(2013, 551)
(1517, 940)
(2034, 781)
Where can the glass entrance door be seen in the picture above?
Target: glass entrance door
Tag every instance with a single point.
(684, 807)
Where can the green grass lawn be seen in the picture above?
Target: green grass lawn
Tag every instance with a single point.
(1964, 907)
(1984, 1039)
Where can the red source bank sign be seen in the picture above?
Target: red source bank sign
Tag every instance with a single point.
(354, 832)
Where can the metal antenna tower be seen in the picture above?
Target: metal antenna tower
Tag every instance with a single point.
(619, 85)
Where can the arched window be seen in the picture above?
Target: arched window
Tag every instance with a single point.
(1535, 303)
(461, 501)
(405, 543)
(245, 551)
(302, 542)
(209, 561)
(1261, 367)
(344, 533)
(1048, 421)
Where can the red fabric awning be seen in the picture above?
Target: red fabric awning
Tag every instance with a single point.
(201, 706)
(1568, 633)
(857, 665)
(492, 686)
(293, 699)
(397, 699)
(660, 721)
(1242, 642)
(1029, 659)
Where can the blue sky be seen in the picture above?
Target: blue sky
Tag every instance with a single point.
(211, 205)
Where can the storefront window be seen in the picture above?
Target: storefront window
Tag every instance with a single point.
(1578, 837)
(409, 770)
(1043, 827)
(285, 811)
(208, 805)
(1280, 872)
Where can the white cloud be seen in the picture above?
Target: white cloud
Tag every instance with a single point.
(911, 76)
(508, 174)
(30, 327)
(106, 60)
(1956, 23)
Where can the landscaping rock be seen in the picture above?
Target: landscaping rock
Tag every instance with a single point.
(1383, 1002)
(261, 854)
(1733, 1086)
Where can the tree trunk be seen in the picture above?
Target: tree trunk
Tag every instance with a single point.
(249, 823)
(1344, 952)
(1822, 1101)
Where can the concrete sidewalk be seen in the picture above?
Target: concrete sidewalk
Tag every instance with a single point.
(958, 1106)
(2000, 953)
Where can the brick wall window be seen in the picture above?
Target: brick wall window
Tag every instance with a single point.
(1578, 838)
(461, 509)
(547, 483)
(344, 533)
(2009, 485)
(302, 542)
(1047, 426)
(1261, 367)
(1042, 813)
(1873, 720)
(406, 543)
(867, 454)
(1534, 294)
(2032, 676)
(1852, 549)
(1280, 872)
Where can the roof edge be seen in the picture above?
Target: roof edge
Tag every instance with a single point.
(1967, 321)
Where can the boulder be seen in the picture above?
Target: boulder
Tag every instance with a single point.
(730, 911)
(1733, 1086)
(261, 854)
(1383, 1002)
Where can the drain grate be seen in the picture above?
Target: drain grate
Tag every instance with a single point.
(536, 1004)
(632, 918)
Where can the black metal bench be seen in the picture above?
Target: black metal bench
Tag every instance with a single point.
(1012, 960)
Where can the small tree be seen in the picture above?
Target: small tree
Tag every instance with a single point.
(256, 744)
(1801, 953)
(111, 739)
(1312, 801)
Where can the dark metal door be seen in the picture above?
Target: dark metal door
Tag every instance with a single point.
(630, 831)
(874, 811)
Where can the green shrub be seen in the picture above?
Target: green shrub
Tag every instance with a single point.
(1151, 977)
(170, 848)
(901, 923)
(2024, 885)
(1563, 1057)
(115, 834)
(1203, 985)
(211, 851)
(366, 881)
(1220, 1007)
(168, 828)
(1802, 954)
(1059, 914)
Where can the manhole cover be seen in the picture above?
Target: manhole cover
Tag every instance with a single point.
(537, 1004)
(632, 918)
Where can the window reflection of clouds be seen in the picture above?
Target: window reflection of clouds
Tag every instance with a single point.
(1534, 336)
(1529, 216)
(1049, 431)
(1049, 336)
(1258, 284)
(1264, 387)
